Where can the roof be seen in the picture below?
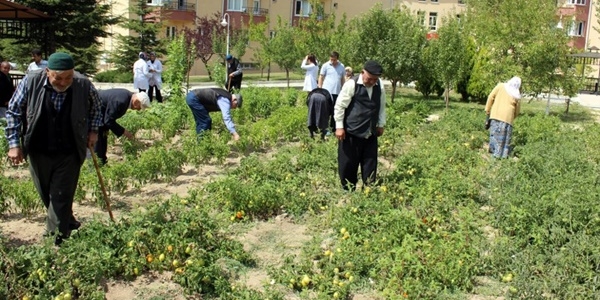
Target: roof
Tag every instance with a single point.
(14, 11)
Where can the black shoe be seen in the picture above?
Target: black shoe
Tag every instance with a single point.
(59, 239)
(74, 225)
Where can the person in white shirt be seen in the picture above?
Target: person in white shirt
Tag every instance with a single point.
(332, 78)
(141, 73)
(38, 63)
(359, 119)
(155, 82)
(309, 64)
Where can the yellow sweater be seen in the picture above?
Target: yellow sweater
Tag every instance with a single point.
(501, 105)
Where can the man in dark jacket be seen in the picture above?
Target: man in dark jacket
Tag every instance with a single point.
(359, 114)
(115, 103)
(6, 88)
(234, 73)
(53, 118)
(203, 101)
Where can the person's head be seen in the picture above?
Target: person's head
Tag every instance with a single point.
(334, 58)
(236, 101)
(371, 72)
(349, 72)
(5, 67)
(36, 55)
(311, 58)
(140, 101)
(60, 71)
(142, 55)
(514, 83)
(152, 56)
(229, 57)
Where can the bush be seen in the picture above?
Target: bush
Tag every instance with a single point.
(114, 76)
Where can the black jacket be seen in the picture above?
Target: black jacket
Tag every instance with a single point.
(115, 103)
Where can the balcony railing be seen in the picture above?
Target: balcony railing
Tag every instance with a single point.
(177, 5)
(255, 11)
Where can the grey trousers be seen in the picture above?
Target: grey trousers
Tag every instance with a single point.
(55, 177)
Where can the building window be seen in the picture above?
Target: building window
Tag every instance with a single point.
(434, 1)
(421, 17)
(461, 1)
(256, 7)
(433, 21)
(234, 5)
(576, 28)
(302, 8)
(154, 2)
(272, 34)
(576, 2)
(171, 31)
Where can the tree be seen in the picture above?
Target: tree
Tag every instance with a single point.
(258, 34)
(451, 55)
(74, 28)
(202, 37)
(392, 37)
(316, 34)
(532, 48)
(283, 48)
(143, 27)
(181, 59)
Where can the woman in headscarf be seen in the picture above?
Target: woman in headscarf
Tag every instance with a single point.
(309, 64)
(502, 108)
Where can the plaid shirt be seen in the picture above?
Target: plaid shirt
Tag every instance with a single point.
(18, 105)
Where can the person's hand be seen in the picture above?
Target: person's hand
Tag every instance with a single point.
(340, 134)
(15, 155)
(231, 75)
(236, 137)
(379, 131)
(128, 135)
(92, 139)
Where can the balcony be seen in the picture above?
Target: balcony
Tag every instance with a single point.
(255, 11)
(179, 6)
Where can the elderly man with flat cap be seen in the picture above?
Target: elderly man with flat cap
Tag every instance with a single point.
(115, 103)
(359, 114)
(203, 101)
(53, 118)
(234, 73)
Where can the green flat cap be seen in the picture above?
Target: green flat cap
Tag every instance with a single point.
(60, 61)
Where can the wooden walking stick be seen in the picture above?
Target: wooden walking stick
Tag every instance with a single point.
(112, 218)
(229, 85)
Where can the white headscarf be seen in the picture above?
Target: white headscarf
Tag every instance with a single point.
(512, 87)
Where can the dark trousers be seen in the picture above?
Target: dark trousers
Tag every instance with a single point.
(201, 116)
(236, 83)
(142, 90)
(55, 177)
(151, 93)
(331, 120)
(352, 152)
(102, 145)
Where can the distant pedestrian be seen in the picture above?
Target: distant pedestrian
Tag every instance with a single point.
(141, 73)
(203, 101)
(155, 82)
(360, 118)
(38, 63)
(502, 108)
(234, 73)
(7, 88)
(332, 78)
(309, 64)
(320, 107)
(115, 103)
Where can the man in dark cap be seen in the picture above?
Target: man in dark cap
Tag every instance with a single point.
(115, 103)
(53, 118)
(234, 73)
(360, 117)
(203, 101)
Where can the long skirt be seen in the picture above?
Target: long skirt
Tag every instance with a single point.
(500, 136)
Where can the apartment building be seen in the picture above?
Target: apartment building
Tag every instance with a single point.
(575, 16)
(178, 14)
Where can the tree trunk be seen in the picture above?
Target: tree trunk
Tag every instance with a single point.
(287, 76)
(568, 102)
(394, 82)
(447, 96)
